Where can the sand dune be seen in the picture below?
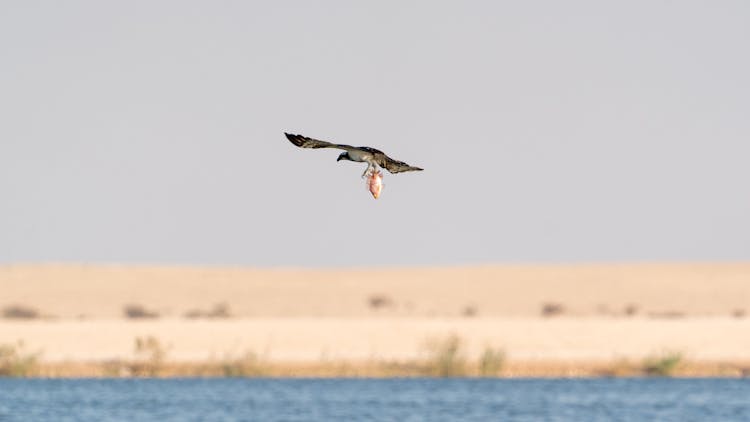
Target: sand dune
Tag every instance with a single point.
(102, 291)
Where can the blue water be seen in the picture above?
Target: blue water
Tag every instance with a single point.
(374, 399)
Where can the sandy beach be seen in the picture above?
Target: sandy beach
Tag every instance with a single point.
(360, 339)
(536, 315)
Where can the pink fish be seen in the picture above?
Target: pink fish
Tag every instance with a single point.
(375, 183)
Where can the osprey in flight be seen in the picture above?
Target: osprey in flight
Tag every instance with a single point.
(373, 157)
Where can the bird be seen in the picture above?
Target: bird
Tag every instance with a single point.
(373, 157)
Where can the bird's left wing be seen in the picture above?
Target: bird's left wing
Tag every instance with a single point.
(305, 142)
(395, 166)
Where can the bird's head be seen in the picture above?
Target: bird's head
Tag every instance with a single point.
(343, 156)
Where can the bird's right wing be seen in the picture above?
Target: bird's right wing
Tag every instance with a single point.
(395, 166)
(305, 142)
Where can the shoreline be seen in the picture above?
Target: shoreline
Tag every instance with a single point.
(345, 369)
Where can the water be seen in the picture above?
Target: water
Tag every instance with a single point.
(374, 399)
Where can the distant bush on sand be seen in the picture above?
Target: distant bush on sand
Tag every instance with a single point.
(551, 309)
(378, 301)
(667, 315)
(20, 312)
(469, 311)
(631, 310)
(220, 310)
(135, 311)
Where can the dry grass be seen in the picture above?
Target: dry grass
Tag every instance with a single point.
(382, 369)
(667, 314)
(15, 361)
(663, 365)
(445, 357)
(491, 362)
(620, 367)
(247, 365)
(219, 310)
(150, 355)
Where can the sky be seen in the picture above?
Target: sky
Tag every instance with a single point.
(151, 132)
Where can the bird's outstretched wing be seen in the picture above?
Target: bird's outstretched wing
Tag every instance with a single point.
(305, 142)
(384, 161)
(394, 166)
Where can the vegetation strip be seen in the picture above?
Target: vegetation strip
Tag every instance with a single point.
(444, 358)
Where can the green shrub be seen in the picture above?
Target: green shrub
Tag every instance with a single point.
(491, 362)
(15, 362)
(445, 357)
(662, 366)
(248, 365)
(149, 357)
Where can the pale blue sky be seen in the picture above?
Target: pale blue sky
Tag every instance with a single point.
(583, 131)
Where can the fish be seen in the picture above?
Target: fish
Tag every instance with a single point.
(375, 183)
